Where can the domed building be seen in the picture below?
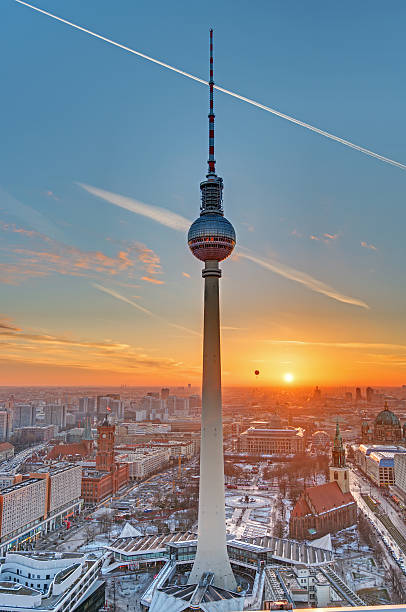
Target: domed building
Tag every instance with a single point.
(386, 428)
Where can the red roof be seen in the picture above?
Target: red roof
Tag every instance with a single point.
(301, 508)
(322, 498)
(5, 446)
(63, 450)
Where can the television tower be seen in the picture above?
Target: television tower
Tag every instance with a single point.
(211, 239)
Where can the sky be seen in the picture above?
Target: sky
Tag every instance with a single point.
(102, 157)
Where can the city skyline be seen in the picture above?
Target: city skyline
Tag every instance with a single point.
(94, 201)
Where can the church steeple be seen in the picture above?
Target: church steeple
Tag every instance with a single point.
(338, 452)
(339, 471)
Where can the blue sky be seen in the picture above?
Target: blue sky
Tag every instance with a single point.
(76, 110)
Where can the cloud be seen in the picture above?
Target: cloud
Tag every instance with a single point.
(344, 345)
(304, 279)
(326, 238)
(37, 348)
(122, 298)
(160, 215)
(154, 281)
(371, 247)
(16, 333)
(27, 214)
(150, 260)
(384, 360)
(186, 275)
(50, 194)
(6, 324)
(174, 221)
(57, 257)
(249, 227)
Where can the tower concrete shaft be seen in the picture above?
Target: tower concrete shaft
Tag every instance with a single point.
(211, 555)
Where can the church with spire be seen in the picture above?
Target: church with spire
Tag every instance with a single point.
(329, 507)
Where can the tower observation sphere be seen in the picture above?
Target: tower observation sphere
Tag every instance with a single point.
(211, 237)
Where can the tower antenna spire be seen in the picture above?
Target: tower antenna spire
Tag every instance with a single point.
(211, 161)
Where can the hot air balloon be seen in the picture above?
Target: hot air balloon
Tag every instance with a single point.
(256, 372)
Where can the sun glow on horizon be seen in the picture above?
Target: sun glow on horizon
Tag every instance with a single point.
(288, 377)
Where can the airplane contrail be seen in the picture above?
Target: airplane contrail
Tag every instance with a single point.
(268, 109)
(156, 213)
(177, 222)
(122, 298)
(303, 278)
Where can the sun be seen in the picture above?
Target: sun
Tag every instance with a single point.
(288, 377)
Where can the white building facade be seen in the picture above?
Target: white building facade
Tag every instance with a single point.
(145, 461)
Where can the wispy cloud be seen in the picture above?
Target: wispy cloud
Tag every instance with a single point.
(326, 238)
(42, 349)
(186, 275)
(50, 194)
(122, 298)
(371, 247)
(249, 226)
(154, 281)
(46, 256)
(160, 215)
(344, 345)
(303, 278)
(5, 323)
(16, 210)
(174, 221)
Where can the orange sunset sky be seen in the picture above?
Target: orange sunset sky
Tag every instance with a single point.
(99, 181)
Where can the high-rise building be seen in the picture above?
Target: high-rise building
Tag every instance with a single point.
(104, 401)
(358, 396)
(63, 485)
(317, 393)
(164, 393)
(24, 415)
(212, 239)
(87, 404)
(22, 504)
(55, 414)
(370, 395)
(171, 405)
(5, 425)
